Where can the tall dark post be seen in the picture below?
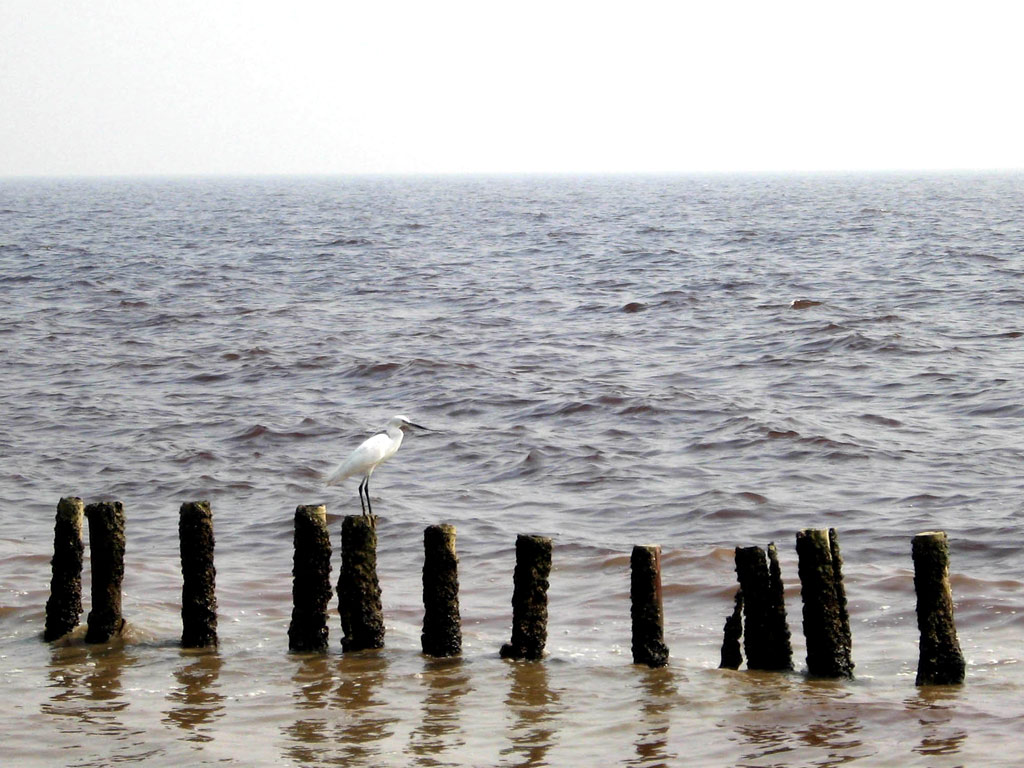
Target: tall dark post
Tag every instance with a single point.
(765, 632)
(106, 549)
(529, 599)
(826, 623)
(311, 580)
(198, 574)
(778, 627)
(646, 609)
(362, 617)
(65, 603)
(442, 627)
(941, 660)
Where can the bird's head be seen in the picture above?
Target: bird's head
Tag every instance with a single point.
(402, 423)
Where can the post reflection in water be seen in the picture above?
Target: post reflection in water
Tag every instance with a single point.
(534, 705)
(87, 683)
(445, 682)
(313, 679)
(934, 707)
(833, 725)
(766, 693)
(351, 685)
(658, 694)
(196, 701)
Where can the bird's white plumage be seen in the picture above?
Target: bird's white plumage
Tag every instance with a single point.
(364, 459)
(370, 454)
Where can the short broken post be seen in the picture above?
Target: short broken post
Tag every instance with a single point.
(941, 660)
(529, 599)
(442, 627)
(64, 605)
(732, 656)
(766, 636)
(826, 621)
(311, 580)
(362, 618)
(106, 559)
(198, 575)
(646, 608)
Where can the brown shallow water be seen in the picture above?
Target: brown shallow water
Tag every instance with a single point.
(604, 361)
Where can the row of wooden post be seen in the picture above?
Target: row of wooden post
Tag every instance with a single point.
(758, 617)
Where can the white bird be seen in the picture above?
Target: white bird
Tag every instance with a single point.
(371, 453)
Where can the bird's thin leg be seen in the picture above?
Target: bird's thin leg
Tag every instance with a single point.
(361, 505)
(370, 515)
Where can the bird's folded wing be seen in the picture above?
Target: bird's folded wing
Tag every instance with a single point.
(363, 458)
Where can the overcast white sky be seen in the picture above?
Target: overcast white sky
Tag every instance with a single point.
(296, 86)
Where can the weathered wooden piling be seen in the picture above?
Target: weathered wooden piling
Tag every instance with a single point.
(362, 618)
(311, 580)
(766, 636)
(529, 599)
(198, 575)
(732, 656)
(64, 605)
(941, 661)
(826, 622)
(646, 609)
(106, 559)
(442, 627)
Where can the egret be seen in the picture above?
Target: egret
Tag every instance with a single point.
(369, 455)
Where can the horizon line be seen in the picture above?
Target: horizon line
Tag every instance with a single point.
(213, 175)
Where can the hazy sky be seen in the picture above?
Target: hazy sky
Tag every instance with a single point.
(290, 86)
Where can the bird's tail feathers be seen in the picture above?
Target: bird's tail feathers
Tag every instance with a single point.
(337, 476)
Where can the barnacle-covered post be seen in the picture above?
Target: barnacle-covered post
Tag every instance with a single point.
(766, 638)
(442, 627)
(64, 605)
(646, 609)
(199, 576)
(826, 622)
(311, 580)
(941, 660)
(529, 599)
(106, 549)
(362, 617)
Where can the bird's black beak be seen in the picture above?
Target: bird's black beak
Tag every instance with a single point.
(416, 426)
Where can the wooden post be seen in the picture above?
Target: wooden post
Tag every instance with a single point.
(646, 609)
(362, 618)
(778, 626)
(765, 632)
(941, 660)
(826, 622)
(199, 576)
(529, 599)
(65, 603)
(442, 628)
(311, 580)
(732, 656)
(106, 549)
